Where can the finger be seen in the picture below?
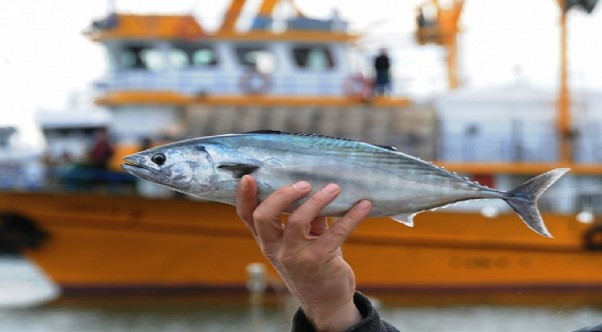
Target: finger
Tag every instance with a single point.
(318, 226)
(334, 236)
(246, 201)
(267, 214)
(299, 222)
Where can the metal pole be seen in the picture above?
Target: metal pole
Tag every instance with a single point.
(563, 118)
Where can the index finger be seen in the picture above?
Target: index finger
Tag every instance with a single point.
(334, 236)
(246, 201)
(267, 214)
(298, 227)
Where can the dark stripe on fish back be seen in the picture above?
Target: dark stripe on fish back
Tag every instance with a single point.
(371, 155)
(276, 132)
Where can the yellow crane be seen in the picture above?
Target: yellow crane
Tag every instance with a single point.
(563, 116)
(442, 29)
(234, 10)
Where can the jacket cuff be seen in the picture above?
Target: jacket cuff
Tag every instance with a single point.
(370, 321)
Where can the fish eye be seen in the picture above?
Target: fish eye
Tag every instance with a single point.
(158, 158)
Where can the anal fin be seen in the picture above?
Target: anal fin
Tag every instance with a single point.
(405, 218)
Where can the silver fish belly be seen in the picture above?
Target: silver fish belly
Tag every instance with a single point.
(398, 185)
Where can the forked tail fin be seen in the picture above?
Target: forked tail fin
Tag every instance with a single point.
(523, 199)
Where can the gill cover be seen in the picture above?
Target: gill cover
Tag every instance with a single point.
(201, 165)
(189, 169)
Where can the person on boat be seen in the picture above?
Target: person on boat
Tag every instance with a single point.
(102, 151)
(96, 170)
(306, 252)
(382, 67)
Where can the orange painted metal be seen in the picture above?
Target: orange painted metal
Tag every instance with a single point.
(131, 242)
(169, 27)
(231, 16)
(150, 27)
(178, 99)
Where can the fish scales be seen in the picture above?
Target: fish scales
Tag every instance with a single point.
(368, 155)
(362, 156)
(398, 185)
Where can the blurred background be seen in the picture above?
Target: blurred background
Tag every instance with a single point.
(498, 91)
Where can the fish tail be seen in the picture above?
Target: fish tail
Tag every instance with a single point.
(523, 199)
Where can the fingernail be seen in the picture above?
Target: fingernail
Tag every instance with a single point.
(301, 185)
(364, 205)
(244, 183)
(330, 188)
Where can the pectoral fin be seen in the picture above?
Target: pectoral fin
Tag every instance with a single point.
(405, 218)
(239, 170)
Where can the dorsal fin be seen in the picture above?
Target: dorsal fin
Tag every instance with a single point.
(264, 131)
(405, 218)
(387, 147)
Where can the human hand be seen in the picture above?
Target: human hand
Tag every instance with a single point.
(305, 251)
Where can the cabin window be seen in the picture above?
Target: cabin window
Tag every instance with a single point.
(185, 56)
(204, 56)
(256, 58)
(177, 58)
(313, 57)
(141, 57)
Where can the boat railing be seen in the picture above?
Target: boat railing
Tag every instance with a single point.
(572, 199)
(492, 147)
(589, 201)
(80, 178)
(199, 83)
(538, 144)
(20, 176)
(587, 145)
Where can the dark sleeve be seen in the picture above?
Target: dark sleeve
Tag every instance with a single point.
(370, 322)
(597, 328)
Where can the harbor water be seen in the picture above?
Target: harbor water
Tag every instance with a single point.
(29, 302)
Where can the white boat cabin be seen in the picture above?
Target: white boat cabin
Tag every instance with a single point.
(309, 58)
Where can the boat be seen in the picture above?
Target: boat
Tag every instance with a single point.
(169, 79)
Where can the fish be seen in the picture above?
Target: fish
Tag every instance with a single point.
(398, 185)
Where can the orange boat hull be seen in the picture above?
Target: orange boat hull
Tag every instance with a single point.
(100, 243)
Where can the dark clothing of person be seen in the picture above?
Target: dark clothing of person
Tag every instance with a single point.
(597, 328)
(370, 322)
(381, 63)
(382, 67)
(101, 154)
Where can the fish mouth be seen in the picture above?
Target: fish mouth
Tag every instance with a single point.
(127, 164)
(131, 166)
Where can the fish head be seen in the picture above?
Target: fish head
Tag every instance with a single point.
(185, 168)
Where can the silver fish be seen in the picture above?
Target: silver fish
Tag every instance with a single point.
(398, 185)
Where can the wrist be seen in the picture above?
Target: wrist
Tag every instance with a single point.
(337, 318)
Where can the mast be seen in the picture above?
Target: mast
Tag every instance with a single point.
(442, 30)
(563, 107)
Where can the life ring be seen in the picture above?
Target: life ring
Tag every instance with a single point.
(592, 239)
(358, 86)
(254, 82)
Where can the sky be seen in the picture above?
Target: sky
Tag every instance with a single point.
(45, 59)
